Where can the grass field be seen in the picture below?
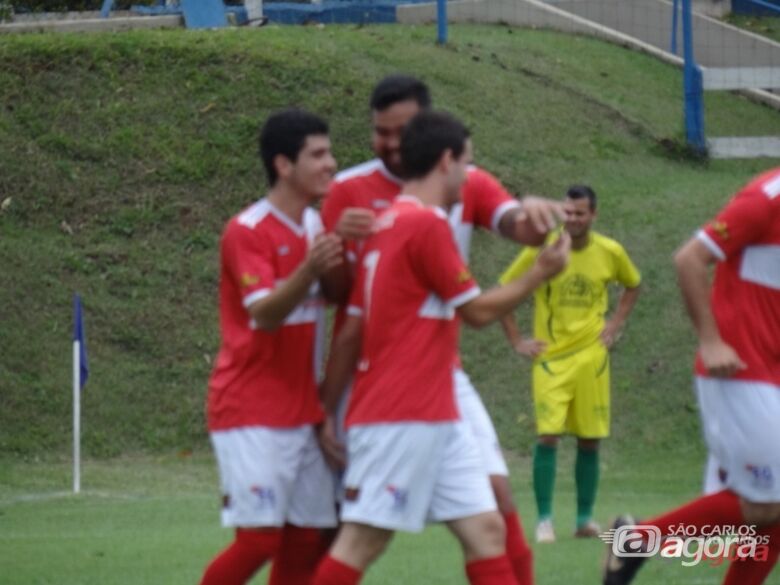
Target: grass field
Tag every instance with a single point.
(121, 156)
(155, 520)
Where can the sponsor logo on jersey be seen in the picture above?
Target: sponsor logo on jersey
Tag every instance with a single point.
(249, 280)
(283, 250)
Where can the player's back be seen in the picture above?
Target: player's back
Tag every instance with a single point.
(407, 267)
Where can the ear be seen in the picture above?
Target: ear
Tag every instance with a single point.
(446, 160)
(283, 166)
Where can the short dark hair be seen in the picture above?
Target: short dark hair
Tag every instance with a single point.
(399, 88)
(426, 137)
(285, 132)
(583, 192)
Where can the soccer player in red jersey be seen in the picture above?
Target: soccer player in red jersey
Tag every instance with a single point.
(262, 400)
(737, 320)
(410, 457)
(359, 193)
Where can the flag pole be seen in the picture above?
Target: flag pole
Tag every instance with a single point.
(76, 417)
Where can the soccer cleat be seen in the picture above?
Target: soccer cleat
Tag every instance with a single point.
(590, 529)
(544, 531)
(620, 570)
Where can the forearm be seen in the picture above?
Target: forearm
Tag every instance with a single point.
(501, 300)
(511, 330)
(625, 306)
(271, 311)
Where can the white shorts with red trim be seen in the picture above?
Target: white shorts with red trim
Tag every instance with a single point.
(402, 475)
(271, 476)
(741, 422)
(475, 415)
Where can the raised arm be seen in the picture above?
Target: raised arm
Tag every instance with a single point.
(499, 301)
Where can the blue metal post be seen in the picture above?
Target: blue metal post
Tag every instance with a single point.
(105, 11)
(441, 20)
(693, 87)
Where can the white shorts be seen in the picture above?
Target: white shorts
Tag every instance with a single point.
(273, 476)
(740, 421)
(475, 415)
(401, 475)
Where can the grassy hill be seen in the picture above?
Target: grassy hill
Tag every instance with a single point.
(121, 156)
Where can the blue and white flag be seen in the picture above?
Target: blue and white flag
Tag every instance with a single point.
(80, 338)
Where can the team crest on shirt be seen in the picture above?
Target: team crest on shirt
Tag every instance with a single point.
(249, 280)
(762, 476)
(283, 250)
(265, 497)
(400, 497)
(351, 494)
(578, 291)
(720, 228)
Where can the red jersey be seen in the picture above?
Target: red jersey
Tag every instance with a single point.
(410, 282)
(265, 377)
(371, 186)
(745, 237)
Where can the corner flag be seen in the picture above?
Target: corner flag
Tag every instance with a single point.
(79, 338)
(80, 375)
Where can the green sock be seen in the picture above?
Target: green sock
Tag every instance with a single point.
(544, 479)
(586, 474)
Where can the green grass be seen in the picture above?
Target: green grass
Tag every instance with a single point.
(768, 26)
(155, 520)
(123, 155)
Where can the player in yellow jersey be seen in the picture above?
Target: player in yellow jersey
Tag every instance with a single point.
(570, 352)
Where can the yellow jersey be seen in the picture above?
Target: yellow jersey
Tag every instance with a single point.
(569, 309)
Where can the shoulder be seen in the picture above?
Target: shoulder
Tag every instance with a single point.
(609, 245)
(357, 172)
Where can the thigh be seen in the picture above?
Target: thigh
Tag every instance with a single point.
(740, 422)
(475, 415)
(462, 487)
(257, 469)
(553, 390)
(589, 415)
(313, 498)
(391, 472)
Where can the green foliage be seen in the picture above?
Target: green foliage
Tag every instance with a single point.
(124, 154)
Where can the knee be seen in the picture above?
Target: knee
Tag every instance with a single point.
(588, 444)
(549, 440)
(491, 541)
(761, 515)
(360, 545)
(503, 492)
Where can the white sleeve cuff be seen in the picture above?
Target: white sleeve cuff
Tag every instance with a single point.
(255, 296)
(464, 297)
(500, 211)
(705, 239)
